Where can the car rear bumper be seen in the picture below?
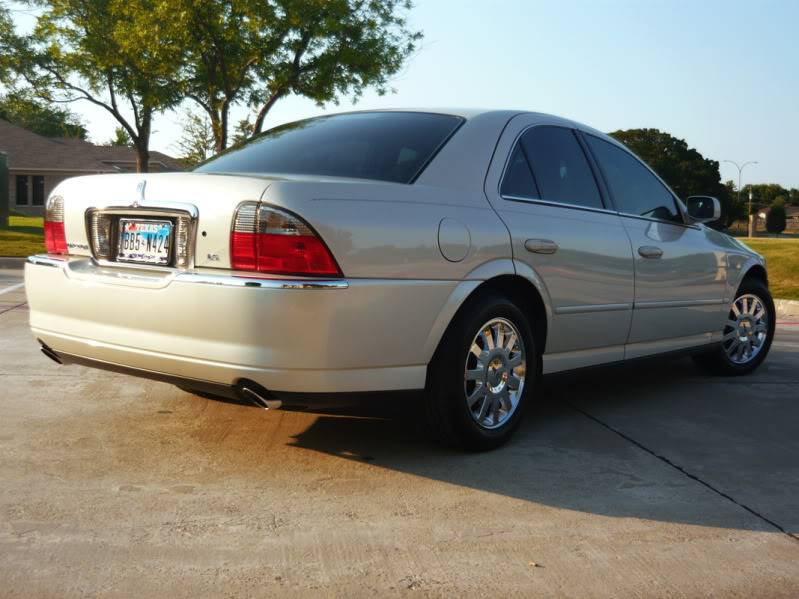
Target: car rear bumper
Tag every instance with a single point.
(287, 335)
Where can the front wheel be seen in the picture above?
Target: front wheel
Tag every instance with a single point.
(482, 375)
(748, 332)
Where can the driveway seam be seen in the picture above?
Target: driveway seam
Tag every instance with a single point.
(13, 308)
(683, 471)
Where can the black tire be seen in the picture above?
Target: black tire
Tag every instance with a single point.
(449, 417)
(717, 361)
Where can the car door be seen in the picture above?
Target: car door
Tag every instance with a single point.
(680, 275)
(545, 190)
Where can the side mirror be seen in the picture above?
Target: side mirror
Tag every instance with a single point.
(703, 209)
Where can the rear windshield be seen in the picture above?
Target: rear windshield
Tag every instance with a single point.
(386, 146)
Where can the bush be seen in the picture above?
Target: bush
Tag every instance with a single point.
(776, 218)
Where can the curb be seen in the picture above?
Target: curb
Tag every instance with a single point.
(787, 309)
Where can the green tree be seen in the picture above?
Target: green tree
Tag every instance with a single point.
(120, 139)
(685, 170)
(793, 197)
(27, 111)
(116, 54)
(6, 47)
(776, 217)
(239, 51)
(196, 144)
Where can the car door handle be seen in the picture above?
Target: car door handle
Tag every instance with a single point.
(541, 246)
(650, 251)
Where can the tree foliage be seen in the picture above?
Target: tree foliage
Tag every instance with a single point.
(197, 141)
(776, 218)
(115, 54)
(685, 170)
(239, 51)
(27, 111)
(120, 139)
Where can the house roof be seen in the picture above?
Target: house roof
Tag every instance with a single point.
(28, 150)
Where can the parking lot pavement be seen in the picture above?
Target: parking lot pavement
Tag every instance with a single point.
(646, 480)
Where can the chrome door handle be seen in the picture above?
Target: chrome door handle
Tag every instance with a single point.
(541, 246)
(650, 251)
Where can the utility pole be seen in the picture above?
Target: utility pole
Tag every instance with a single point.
(740, 168)
(4, 208)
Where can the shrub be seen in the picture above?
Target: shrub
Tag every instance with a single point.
(775, 219)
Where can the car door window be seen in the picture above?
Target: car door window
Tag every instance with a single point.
(518, 181)
(635, 189)
(560, 168)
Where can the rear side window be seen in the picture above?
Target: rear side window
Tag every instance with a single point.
(518, 179)
(559, 168)
(384, 146)
(635, 189)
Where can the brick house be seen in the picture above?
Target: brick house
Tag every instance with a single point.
(36, 164)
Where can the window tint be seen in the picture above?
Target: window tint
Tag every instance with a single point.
(560, 168)
(38, 190)
(22, 190)
(635, 189)
(387, 146)
(518, 179)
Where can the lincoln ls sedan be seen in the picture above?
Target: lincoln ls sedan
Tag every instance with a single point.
(462, 253)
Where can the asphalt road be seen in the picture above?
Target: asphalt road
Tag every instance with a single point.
(650, 480)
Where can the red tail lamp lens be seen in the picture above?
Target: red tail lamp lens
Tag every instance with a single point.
(55, 239)
(273, 241)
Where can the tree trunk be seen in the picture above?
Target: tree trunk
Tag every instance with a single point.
(143, 157)
(221, 143)
(259, 122)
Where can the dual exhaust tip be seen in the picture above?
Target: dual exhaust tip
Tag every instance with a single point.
(257, 395)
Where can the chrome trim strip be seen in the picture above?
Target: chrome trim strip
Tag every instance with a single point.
(244, 281)
(44, 260)
(211, 279)
(677, 304)
(557, 204)
(592, 308)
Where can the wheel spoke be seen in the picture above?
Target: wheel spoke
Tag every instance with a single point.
(733, 324)
(475, 349)
(475, 375)
(479, 391)
(730, 335)
(511, 341)
(515, 361)
(488, 340)
(484, 408)
(514, 382)
(495, 406)
(735, 309)
(500, 341)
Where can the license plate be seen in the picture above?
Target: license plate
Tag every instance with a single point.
(145, 241)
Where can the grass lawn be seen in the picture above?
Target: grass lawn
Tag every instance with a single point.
(782, 261)
(24, 236)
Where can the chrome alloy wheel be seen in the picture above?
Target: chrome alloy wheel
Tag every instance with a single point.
(494, 373)
(746, 330)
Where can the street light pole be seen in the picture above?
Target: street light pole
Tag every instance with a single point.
(740, 168)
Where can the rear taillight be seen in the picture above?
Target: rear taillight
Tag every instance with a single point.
(270, 240)
(55, 239)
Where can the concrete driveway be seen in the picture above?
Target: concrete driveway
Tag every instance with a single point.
(650, 480)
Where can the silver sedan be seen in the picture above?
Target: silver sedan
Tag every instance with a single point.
(465, 253)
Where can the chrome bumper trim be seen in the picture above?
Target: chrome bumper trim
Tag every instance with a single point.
(222, 280)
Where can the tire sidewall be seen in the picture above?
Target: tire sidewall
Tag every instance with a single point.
(758, 289)
(450, 365)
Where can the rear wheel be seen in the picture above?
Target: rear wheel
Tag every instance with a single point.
(482, 375)
(748, 332)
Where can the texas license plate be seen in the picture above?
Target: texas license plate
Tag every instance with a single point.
(145, 241)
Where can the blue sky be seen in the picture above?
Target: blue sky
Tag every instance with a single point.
(723, 75)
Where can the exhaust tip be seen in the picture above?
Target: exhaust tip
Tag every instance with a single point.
(257, 395)
(47, 351)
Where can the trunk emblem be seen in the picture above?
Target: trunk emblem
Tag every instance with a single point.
(140, 190)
